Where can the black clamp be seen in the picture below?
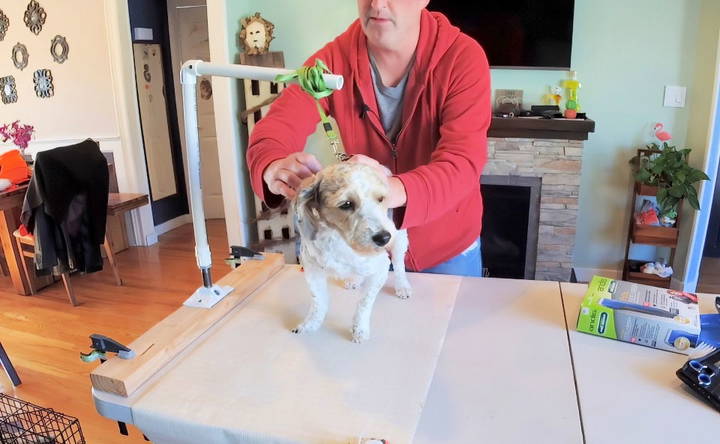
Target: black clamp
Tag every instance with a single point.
(102, 345)
(239, 255)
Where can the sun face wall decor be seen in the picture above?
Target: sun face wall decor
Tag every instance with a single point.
(256, 34)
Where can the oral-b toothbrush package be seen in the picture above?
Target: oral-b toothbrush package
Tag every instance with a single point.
(641, 314)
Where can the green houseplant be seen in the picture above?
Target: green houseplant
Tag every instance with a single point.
(667, 168)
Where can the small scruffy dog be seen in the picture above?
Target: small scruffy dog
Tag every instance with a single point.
(346, 234)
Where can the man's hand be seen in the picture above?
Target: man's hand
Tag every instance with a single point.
(361, 158)
(284, 176)
(397, 196)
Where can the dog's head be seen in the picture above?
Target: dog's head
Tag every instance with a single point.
(348, 198)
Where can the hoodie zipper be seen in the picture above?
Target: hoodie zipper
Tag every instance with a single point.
(393, 146)
(393, 152)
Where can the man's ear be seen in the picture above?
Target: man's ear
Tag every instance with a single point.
(307, 207)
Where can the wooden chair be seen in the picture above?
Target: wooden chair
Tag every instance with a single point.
(29, 241)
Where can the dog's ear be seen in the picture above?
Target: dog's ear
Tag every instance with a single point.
(307, 208)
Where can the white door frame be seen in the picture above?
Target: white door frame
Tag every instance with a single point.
(129, 160)
(131, 166)
(237, 198)
(707, 188)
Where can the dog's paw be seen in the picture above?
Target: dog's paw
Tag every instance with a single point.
(352, 283)
(360, 334)
(403, 291)
(305, 327)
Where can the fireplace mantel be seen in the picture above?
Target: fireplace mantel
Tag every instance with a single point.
(539, 128)
(550, 149)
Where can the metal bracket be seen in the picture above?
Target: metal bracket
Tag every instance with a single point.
(207, 297)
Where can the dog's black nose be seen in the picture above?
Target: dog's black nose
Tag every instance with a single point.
(381, 238)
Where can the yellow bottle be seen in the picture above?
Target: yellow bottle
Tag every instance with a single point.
(571, 105)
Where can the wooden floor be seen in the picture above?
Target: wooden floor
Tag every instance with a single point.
(709, 281)
(44, 334)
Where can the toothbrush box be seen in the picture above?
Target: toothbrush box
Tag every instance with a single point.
(641, 314)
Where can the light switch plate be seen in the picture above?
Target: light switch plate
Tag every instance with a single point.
(675, 96)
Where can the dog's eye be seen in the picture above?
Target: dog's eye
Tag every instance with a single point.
(381, 198)
(347, 205)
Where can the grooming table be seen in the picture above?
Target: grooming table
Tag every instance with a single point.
(463, 360)
(629, 393)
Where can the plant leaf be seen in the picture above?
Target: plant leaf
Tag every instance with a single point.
(677, 190)
(693, 201)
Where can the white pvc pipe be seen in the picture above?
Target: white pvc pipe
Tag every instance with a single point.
(200, 68)
(188, 75)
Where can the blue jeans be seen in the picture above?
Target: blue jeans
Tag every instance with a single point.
(467, 263)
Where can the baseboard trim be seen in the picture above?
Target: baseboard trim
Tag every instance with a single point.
(151, 239)
(172, 224)
(584, 275)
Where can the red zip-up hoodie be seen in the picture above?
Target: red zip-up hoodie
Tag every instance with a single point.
(440, 151)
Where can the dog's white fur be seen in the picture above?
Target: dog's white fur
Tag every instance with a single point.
(338, 212)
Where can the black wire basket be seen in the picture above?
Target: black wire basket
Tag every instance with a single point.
(24, 423)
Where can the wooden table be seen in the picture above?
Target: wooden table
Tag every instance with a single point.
(10, 207)
(11, 203)
(119, 203)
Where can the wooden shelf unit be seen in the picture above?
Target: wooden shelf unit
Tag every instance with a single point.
(648, 235)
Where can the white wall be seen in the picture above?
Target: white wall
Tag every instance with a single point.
(83, 104)
(95, 94)
(624, 52)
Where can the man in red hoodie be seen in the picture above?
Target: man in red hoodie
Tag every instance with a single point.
(416, 100)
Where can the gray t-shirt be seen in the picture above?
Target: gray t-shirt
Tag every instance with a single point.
(389, 100)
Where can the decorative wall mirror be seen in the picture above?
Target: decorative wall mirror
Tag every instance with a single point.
(4, 25)
(7, 90)
(59, 49)
(35, 17)
(20, 56)
(43, 83)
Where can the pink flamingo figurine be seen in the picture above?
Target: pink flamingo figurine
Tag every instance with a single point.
(663, 136)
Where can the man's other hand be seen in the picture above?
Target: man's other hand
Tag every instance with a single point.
(284, 176)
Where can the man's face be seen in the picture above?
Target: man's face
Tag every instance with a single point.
(387, 23)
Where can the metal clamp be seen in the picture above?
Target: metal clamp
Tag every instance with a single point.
(102, 345)
(240, 255)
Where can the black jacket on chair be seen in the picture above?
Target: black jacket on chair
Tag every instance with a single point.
(66, 207)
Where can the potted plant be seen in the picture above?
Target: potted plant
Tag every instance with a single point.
(667, 168)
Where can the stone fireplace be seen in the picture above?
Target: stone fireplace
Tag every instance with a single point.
(550, 150)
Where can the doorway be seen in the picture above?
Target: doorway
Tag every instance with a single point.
(189, 40)
(703, 263)
(158, 111)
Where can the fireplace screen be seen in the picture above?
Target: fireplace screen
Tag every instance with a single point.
(510, 225)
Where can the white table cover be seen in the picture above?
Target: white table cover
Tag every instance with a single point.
(630, 393)
(251, 380)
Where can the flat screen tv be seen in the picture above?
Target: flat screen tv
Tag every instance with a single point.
(516, 33)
